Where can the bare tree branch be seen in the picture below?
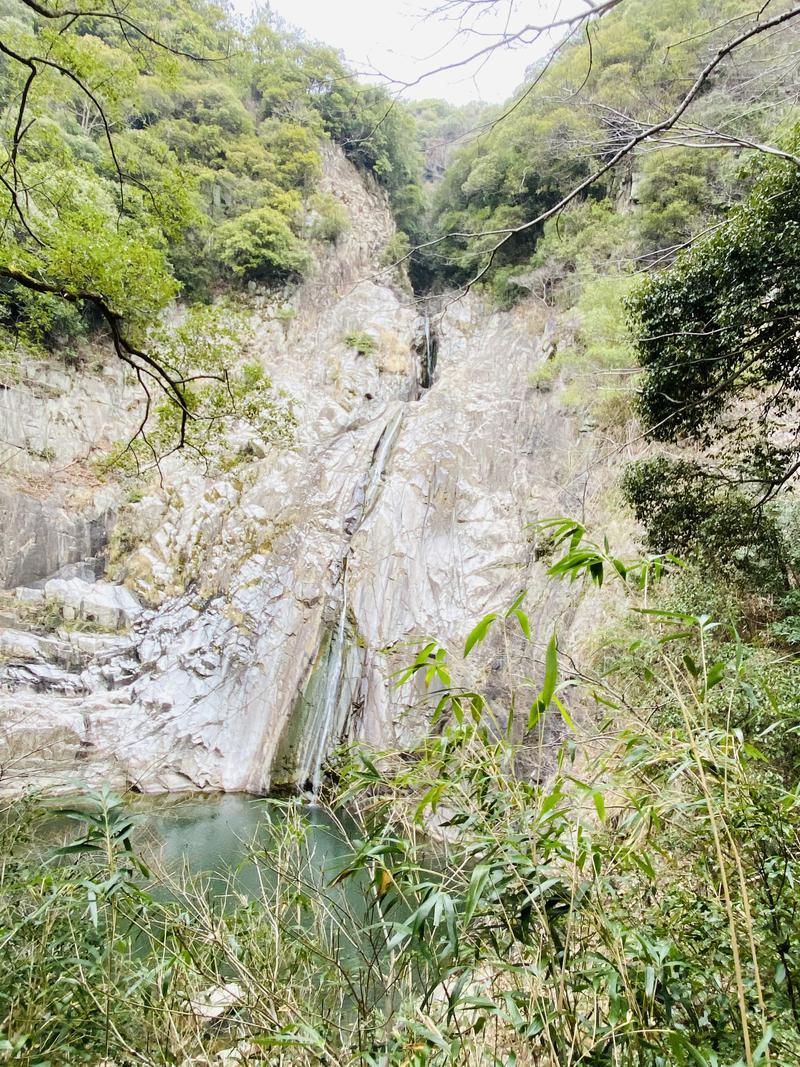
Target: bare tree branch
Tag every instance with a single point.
(128, 352)
(648, 133)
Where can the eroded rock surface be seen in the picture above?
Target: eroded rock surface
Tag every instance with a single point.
(283, 595)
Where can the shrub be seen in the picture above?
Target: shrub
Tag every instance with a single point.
(686, 509)
(261, 245)
(363, 343)
(329, 220)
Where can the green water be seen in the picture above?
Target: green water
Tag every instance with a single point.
(219, 837)
(225, 842)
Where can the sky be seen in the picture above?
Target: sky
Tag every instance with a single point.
(402, 41)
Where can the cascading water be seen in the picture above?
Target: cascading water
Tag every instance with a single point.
(333, 685)
(332, 698)
(322, 710)
(428, 362)
(380, 458)
(428, 350)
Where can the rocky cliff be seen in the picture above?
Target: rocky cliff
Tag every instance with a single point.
(252, 618)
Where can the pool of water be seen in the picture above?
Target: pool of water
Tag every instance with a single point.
(232, 837)
(225, 842)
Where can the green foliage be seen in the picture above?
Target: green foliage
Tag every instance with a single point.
(686, 510)
(678, 192)
(329, 219)
(715, 335)
(665, 961)
(787, 628)
(379, 135)
(169, 151)
(442, 127)
(363, 343)
(397, 249)
(226, 395)
(583, 558)
(718, 325)
(578, 109)
(588, 243)
(261, 244)
(67, 934)
(507, 287)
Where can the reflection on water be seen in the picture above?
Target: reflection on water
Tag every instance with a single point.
(226, 842)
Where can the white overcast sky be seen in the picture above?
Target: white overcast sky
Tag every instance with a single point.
(395, 38)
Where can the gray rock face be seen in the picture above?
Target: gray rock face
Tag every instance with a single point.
(290, 591)
(54, 421)
(41, 536)
(112, 607)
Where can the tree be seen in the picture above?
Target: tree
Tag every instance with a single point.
(84, 222)
(721, 326)
(642, 80)
(159, 151)
(718, 338)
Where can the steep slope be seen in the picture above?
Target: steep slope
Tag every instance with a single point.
(284, 593)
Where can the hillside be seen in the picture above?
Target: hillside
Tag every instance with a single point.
(399, 622)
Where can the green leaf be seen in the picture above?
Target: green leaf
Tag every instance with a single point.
(565, 715)
(517, 602)
(545, 697)
(523, 621)
(715, 674)
(691, 666)
(479, 633)
(477, 884)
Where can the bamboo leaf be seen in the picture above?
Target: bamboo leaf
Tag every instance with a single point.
(479, 633)
(545, 697)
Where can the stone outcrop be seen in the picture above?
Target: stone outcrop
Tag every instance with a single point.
(282, 596)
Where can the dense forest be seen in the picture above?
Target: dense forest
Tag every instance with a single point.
(172, 153)
(632, 901)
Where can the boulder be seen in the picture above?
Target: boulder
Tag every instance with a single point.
(111, 607)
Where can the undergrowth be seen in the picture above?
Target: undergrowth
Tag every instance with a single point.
(637, 909)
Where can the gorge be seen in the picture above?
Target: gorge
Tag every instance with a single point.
(307, 576)
(399, 537)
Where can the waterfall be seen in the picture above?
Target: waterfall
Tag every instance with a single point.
(330, 703)
(317, 716)
(332, 697)
(380, 457)
(322, 710)
(367, 491)
(427, 352)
